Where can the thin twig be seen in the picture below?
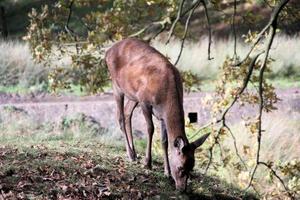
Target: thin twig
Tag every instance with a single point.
(235, 146)
(272, 33)
(234, 32)
(175, 21)
(278, 177)
(201, 128)
(187, 23)
(209, 30)
(273, 19)
(67, 28)
(163, 23)
(223, 116)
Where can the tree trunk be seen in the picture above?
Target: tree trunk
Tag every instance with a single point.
(3, 24)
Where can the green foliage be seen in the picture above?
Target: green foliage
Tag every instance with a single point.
(232, 87)
(191, 81)
(52, 38)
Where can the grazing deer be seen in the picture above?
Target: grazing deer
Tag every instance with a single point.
(147, 78)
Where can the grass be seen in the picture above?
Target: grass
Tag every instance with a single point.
(20, 74)
(17, 67)
(75, 158)
(285, 83)
(194, 56)
(279, 146)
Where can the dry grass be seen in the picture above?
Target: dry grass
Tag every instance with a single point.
(280, 140)
(194, 56)
(17, 66)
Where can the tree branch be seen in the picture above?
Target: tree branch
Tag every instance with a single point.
(209, 30)
(67, 28)
(163, 23)
(235, 146)
(273, 19)
(187, 23)
(278, 177)
(272, 32)
(234, 32)
(244, 86)
(175, 21)
(223, 115)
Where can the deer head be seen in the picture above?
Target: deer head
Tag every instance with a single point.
(182, 159)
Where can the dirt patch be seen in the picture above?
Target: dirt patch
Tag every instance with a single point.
(45, 107)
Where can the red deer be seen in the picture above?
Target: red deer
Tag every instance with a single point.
(147, 78)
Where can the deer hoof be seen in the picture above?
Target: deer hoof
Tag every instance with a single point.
(132, 156)
(147, 164)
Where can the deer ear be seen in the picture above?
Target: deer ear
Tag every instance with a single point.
(199, 141)
(179, 143)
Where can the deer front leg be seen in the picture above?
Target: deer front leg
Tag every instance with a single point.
(121, 118)
(129, 107)
(147, 111)
(164, 142)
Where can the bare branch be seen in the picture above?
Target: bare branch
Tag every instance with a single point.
(175, 21)
(223, 116)
(278, 177)
(187, 23)
(272, 32)
(163, 23)
(235, 146)
(261, 101)
(209, 30)
(202, 128)
(140, 31)
(273, 19)
(67, 28)
(234, 31)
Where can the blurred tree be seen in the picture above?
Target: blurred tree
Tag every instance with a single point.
(3, 23)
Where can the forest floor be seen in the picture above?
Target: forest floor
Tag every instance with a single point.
(89, 169)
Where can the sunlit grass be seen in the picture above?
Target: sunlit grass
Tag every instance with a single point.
(20, 74)
(194, 56)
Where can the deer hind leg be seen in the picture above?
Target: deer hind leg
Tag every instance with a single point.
(129, 107)
(147, 111)
(119, 97)
(164, 142)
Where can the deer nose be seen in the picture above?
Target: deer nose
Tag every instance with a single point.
(181, 187)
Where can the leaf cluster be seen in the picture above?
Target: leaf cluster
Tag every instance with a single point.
(53, 36)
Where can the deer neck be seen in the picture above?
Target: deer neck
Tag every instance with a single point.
(174, 119)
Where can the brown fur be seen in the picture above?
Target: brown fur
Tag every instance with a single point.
(147, 78)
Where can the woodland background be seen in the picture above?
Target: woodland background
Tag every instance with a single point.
(236, 54)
